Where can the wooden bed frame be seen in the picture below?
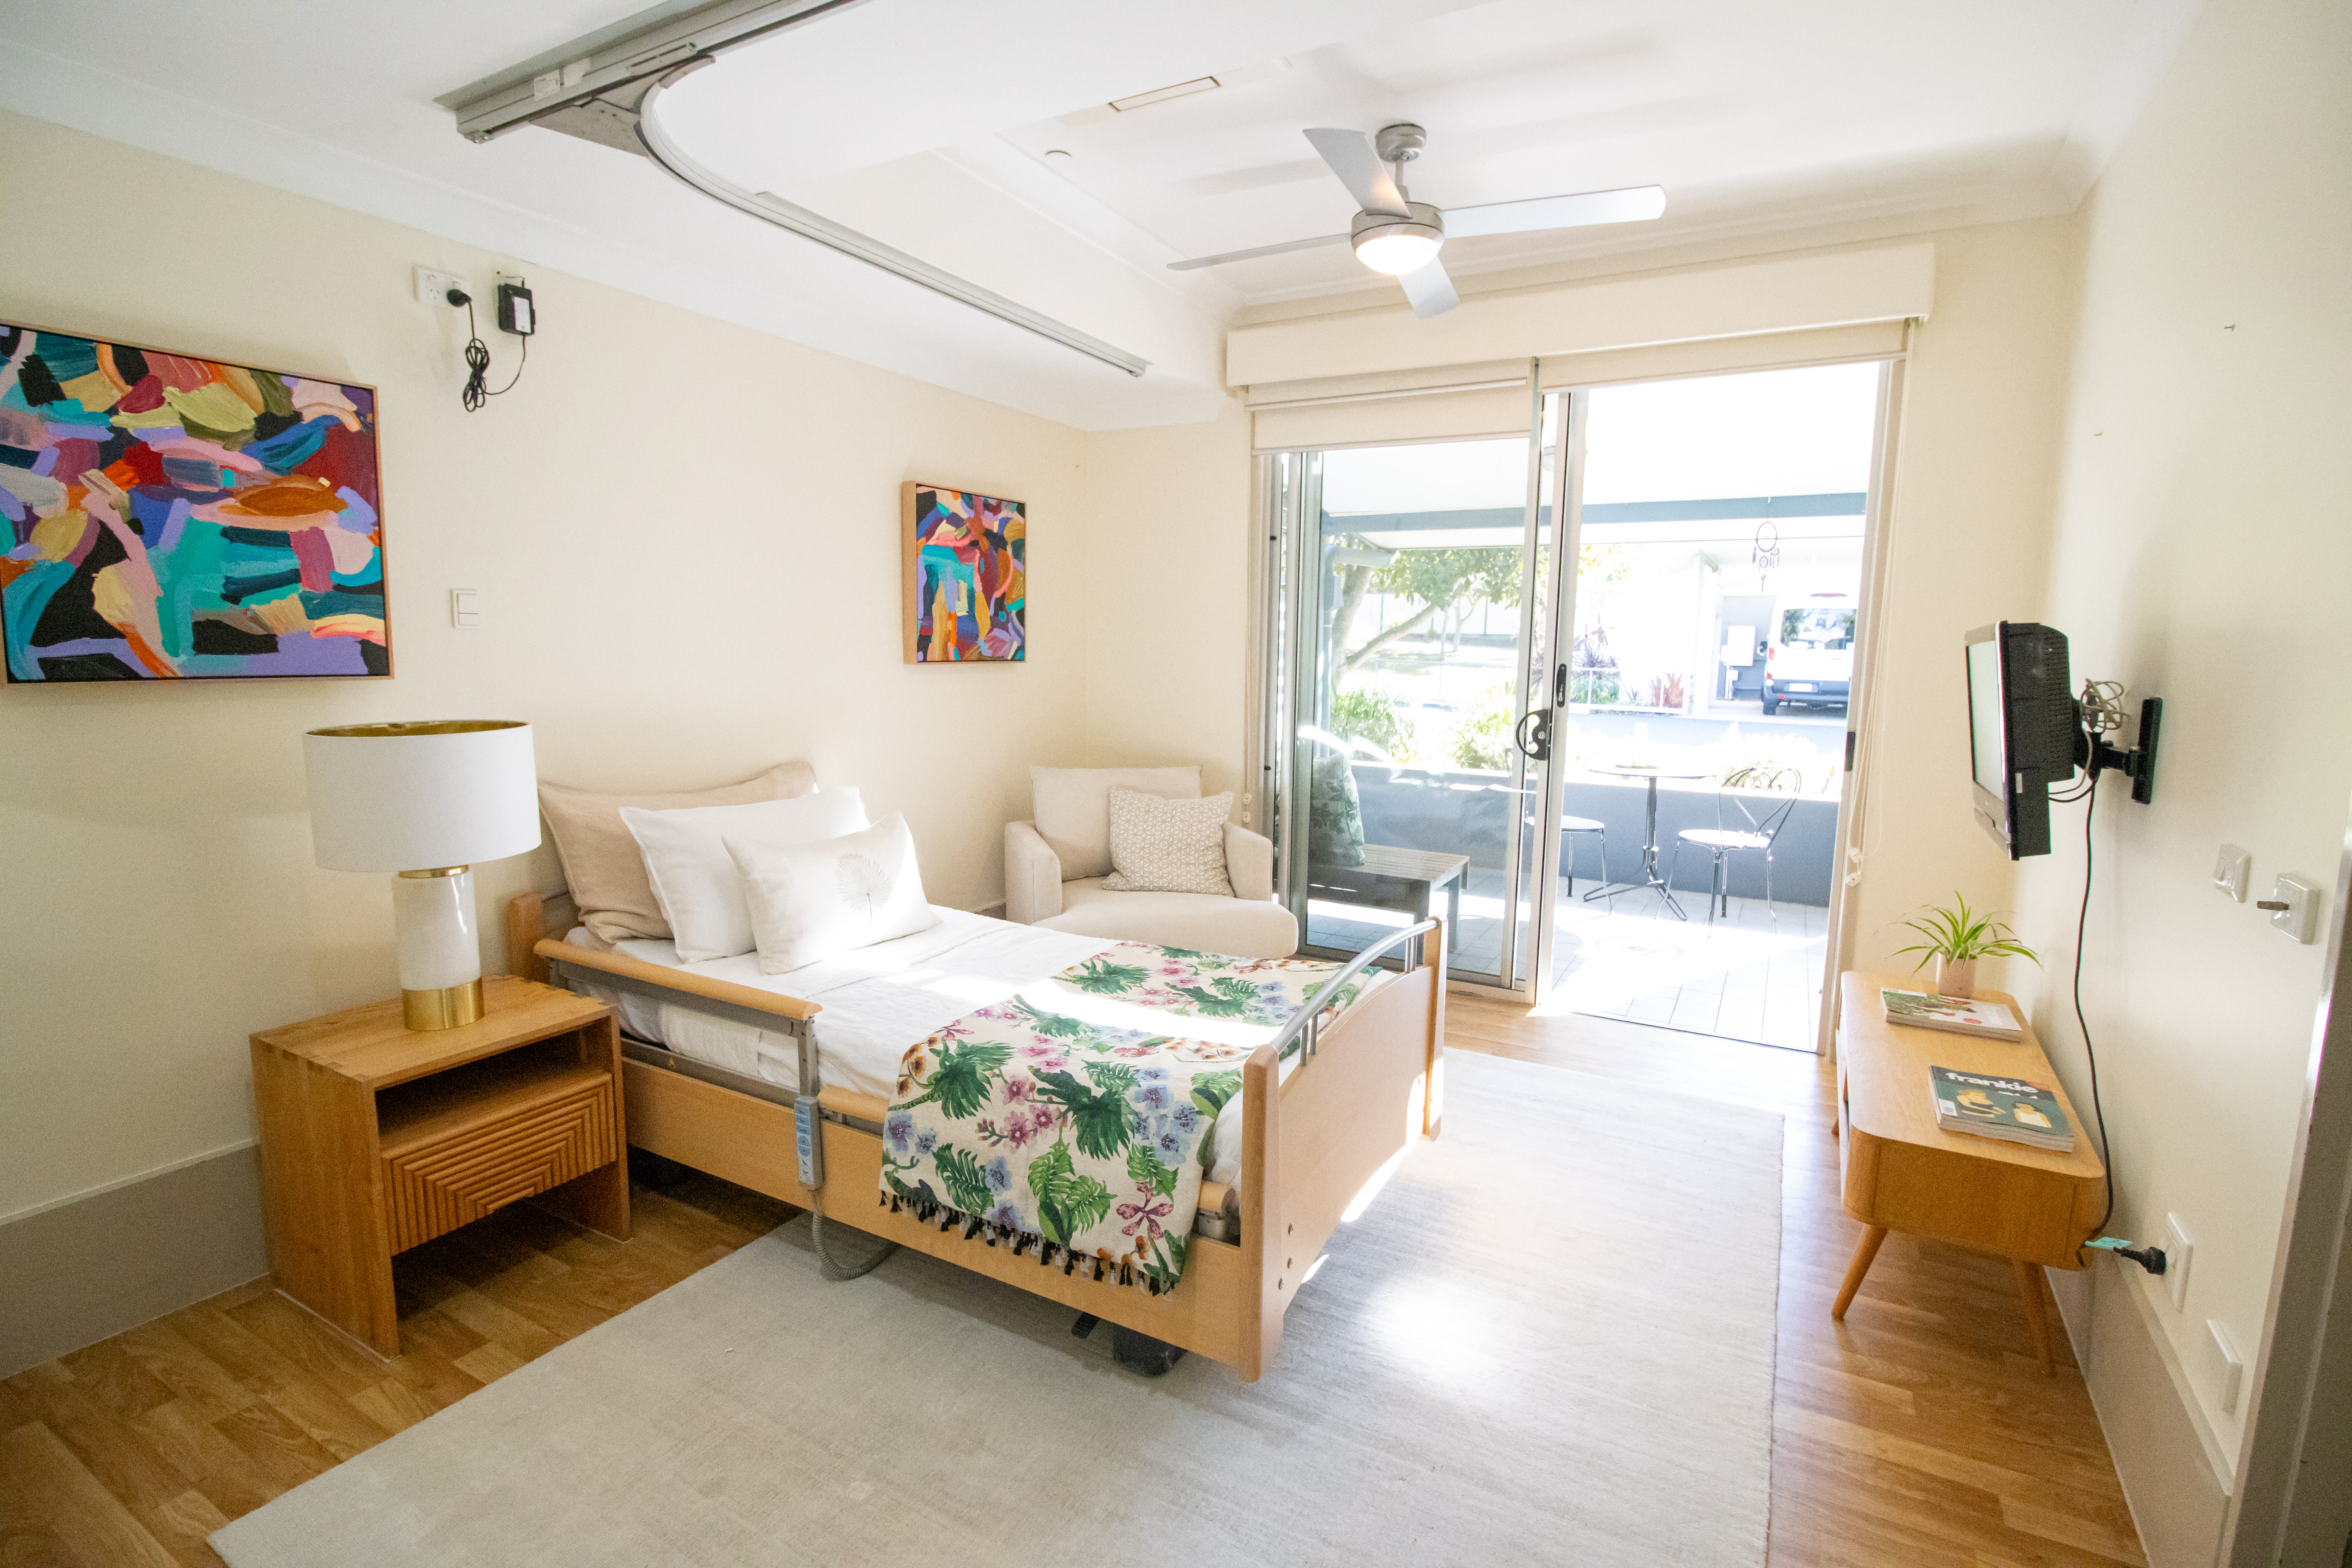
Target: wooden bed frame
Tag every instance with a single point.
(1363, 1089)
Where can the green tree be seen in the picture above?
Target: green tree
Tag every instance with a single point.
(1439, 579)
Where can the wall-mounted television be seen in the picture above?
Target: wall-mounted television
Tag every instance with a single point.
(2022, 730)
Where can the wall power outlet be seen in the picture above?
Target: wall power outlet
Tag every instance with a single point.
(2178, 1247)
(433, 288)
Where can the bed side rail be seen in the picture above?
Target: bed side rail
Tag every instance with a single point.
(1307, 1026)
(776, 1012)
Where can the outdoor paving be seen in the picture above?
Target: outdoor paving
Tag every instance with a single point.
(1755, 974)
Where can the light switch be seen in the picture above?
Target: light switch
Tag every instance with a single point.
(2300, 919)
(2231, 870)
(465, 608)
(2234, 1365)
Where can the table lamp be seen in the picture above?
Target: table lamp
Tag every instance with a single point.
(428, 800)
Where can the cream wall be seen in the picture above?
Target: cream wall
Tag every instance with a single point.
(685, 538)
(2200, 553)
(1967, 532)
(1170, 642)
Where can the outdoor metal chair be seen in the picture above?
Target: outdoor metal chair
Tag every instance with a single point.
(1759, 834)
(1573, 825)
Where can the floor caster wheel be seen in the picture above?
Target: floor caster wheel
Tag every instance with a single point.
(1142, 1354)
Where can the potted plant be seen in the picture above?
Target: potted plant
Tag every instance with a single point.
(1957, 937)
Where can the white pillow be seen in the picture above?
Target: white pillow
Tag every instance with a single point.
(694, 880)
(813, 901)
(1160, 845)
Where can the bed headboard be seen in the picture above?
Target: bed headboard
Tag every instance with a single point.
(530, 918)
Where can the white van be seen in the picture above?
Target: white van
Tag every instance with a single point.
(1809, 661)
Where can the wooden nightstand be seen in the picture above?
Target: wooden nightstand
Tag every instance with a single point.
(376, 1137)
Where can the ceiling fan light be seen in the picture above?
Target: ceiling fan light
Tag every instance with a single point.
(1397, 254)
(1388, 243)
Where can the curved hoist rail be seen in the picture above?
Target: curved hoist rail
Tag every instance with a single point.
(666, 154)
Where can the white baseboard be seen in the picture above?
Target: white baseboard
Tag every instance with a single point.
(2174, 1472)
(83, 1270)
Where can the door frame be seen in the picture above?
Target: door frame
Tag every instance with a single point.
(1861, 708)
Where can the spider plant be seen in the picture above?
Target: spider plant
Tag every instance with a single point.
(1958, 934)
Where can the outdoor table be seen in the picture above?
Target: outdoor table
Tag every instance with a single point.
(1650, 878)
(1393, 877)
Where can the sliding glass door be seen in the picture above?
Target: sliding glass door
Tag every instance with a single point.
(1414, 594)
(1584, 691)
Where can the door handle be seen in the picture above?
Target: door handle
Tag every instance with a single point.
(1532, 735)
(1560, 687)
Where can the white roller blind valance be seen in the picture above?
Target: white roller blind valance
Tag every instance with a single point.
(1316, 382)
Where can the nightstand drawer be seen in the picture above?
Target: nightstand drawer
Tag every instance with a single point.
(541, 1138)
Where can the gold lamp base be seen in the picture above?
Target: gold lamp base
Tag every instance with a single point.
(442, 1009)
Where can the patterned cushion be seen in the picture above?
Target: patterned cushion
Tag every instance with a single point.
(1335, 814)
(1160, 845)
(1073, 809)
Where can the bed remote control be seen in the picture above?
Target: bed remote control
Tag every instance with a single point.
(808, 1136)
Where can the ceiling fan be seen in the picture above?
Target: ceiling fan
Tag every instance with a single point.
(1401, 237)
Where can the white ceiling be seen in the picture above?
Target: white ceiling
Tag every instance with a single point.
(925, 122)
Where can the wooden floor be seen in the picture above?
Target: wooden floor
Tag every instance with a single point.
(1920, 1434)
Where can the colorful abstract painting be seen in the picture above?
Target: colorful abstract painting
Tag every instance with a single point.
(169, 518)
(967, 576)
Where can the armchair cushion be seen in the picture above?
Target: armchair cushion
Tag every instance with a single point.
(1246, 927)
(1073, 809)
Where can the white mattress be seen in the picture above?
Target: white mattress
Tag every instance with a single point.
(879, 1000)
(876, 1001)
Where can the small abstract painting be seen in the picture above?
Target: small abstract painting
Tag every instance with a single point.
(170, 518)
(967, 576)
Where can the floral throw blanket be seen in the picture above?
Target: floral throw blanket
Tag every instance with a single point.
(1075, 1117)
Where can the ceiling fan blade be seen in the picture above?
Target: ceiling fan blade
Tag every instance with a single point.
(1358, 163)
(1630, 206)
(1255, 251)
(1429, 289)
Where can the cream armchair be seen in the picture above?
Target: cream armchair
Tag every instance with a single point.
(1055, 863)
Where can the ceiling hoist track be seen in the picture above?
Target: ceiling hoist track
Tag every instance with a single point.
(606, 88)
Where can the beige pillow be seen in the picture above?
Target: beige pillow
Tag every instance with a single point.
(1073, 809)
(602, 863)
(1167, 846)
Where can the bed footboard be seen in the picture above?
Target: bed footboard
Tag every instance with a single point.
(1314, 1147)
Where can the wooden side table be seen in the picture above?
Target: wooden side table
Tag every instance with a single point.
(1405, 880)
(1902, 1172)
(376, 1137)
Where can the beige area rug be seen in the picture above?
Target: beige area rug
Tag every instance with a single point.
(1550, 1340)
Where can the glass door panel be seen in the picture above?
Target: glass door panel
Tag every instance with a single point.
(1409, 629)
(1720, 537)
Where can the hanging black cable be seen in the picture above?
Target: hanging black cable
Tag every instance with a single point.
(2082, 923)
(478, 360)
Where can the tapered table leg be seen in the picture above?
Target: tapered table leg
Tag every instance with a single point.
(1864, 1254)
(2037, 1323)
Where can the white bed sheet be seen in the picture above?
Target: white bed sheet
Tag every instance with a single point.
(875, 1001)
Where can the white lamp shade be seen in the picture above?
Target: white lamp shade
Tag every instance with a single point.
(408, 797)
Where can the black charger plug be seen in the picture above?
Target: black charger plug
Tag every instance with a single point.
(516, 313)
